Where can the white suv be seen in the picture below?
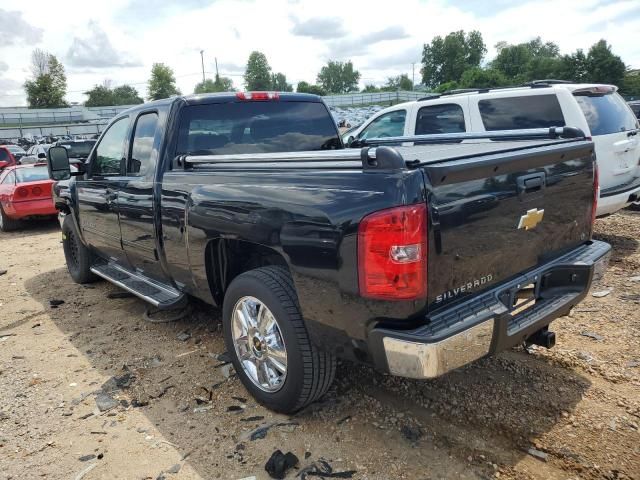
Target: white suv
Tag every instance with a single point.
(597, 109)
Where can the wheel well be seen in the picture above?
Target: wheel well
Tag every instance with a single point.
(226, 259)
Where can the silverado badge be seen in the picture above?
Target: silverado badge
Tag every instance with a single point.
(530, 219)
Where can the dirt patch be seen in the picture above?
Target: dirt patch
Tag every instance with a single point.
(91, 386)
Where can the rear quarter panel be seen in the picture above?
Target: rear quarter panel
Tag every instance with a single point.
(309, 217)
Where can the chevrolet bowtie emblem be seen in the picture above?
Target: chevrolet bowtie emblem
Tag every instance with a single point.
(530, 219)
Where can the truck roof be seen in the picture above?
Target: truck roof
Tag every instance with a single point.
(222, 97)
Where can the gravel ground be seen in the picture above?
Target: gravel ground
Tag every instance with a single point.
(91, 390)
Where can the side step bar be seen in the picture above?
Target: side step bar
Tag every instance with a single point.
(159, 295)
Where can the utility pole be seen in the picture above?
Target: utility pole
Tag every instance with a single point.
(202, 59)
(216, 60)
(413, 75)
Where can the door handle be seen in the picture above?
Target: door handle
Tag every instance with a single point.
(531, 183)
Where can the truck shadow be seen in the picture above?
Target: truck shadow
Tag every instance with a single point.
(492, 410)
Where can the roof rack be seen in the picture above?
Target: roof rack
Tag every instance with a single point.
(546, 81)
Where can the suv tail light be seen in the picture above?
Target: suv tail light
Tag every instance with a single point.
(258, 96)
(392, 253)
(596, 193)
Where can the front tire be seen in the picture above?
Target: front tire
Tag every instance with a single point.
(77, 255)
(268, 342)
(7, 224)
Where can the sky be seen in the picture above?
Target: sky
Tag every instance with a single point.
(119, 40)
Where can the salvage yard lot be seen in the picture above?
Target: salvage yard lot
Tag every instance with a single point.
(570, 412)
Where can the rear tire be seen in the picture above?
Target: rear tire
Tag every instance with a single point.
(7, 224)
(79, 258)
(309, 372)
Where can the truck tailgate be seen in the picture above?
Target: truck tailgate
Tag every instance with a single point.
(497, 215)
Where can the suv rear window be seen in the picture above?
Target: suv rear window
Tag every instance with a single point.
(447, 118)
(256, 127)
(513, 113)
(606, 113)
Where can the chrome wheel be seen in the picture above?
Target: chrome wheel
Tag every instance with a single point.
(259, 345)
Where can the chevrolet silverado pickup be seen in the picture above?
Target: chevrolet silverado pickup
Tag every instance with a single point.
(416, 260)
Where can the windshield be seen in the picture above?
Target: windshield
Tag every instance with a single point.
(15, 149)
(607, 113)
(34, 174)
(79, 149)
(256, 127)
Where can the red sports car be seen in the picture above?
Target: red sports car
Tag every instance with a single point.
(25, 192)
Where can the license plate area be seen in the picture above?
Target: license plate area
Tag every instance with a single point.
(522, 296)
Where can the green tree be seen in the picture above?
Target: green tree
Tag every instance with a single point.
(126, 95)
(279, 83)
(257, 75)
(533, 60)
(574, 67)
(220, 84)
(482, 78)
(401, 82)
(99, 96)
(162, 83)
(305, 87)
(445, 59)
(103, 96)
(48, 87)
(370, 89)
(631, 84)
(446, 86)
(604, 66)
(338, 77)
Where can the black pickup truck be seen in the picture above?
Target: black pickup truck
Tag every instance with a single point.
(416, 255)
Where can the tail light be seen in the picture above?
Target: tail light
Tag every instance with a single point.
(596, 193)
(22, 192)
(258, 96)
(392, 253)
(36, 191)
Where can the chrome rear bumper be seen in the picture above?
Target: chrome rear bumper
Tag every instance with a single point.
(488, 323)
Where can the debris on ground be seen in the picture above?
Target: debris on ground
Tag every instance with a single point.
(411, 433)
(227, 370)
(174, 469)
(593, 335)
(86, 458)
(105, 402)
(323, 469)
(55, 303)
(279, 464)
(540, 455)
(601, 293)
(183, 336)
(2, 272)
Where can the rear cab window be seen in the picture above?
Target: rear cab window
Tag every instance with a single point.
(527, 111)
(606, 113)
(256, 127)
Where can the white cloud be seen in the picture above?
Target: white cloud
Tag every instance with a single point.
(96, 51)
(297, 37)
(14, 29)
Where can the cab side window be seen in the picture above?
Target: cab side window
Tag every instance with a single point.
(141, 160)
(435, 119)
(108, 155)
(388, 125)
